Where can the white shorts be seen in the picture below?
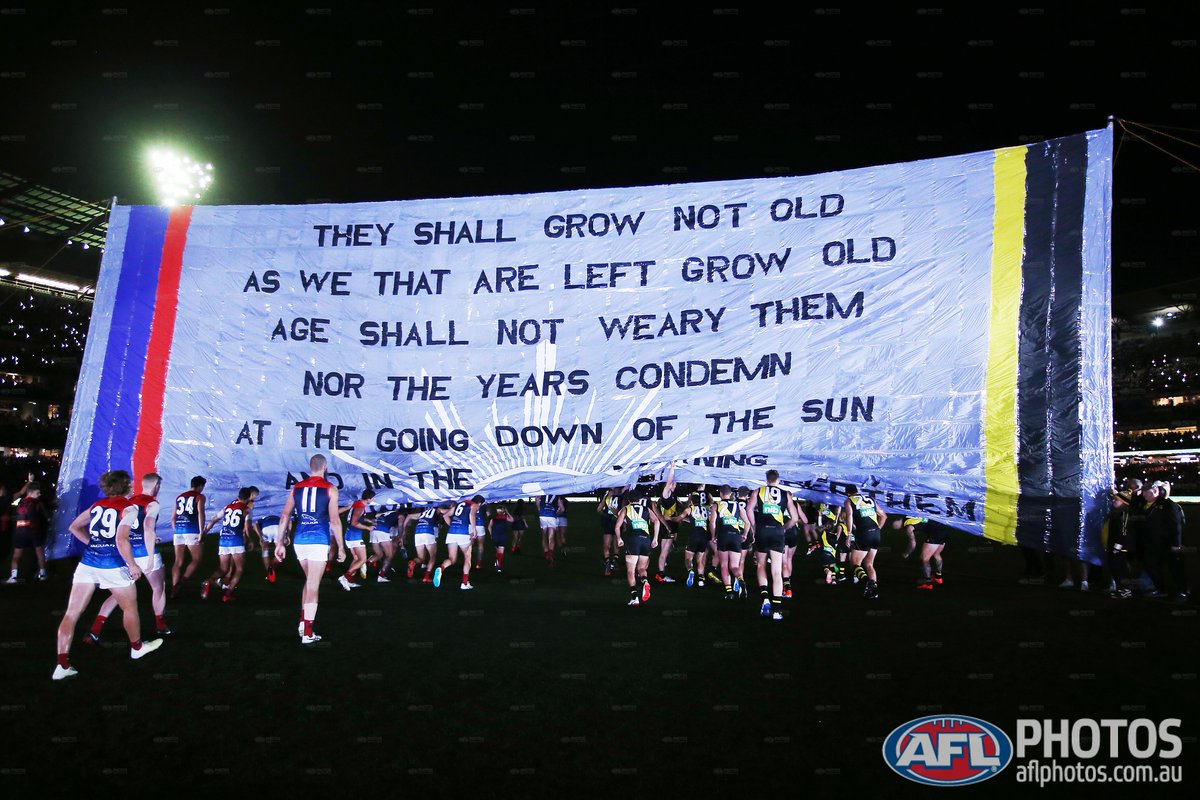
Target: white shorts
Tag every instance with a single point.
(425, 540)
(547, 522)
(458, 539)
(149, 563)
(186, 539)
(311, 552)
(114, 578)
(269, 533)
(355, 543)
(562, 522)
(237, 550)
(379, 537)
(480, 532)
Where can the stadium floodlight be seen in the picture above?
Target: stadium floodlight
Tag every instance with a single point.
(177, 178)
(1157, 322)
(53, 284)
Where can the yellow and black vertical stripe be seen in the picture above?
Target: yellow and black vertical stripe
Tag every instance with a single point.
(1033, 426)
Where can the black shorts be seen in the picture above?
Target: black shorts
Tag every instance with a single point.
(791, 537)
(608, 525)
(697, 540)
(28, 536)
(729, 542)
(932, 534)
(637, 545)
(768, 539)
(866, 539)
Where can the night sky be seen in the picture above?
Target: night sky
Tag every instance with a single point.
(303, 102)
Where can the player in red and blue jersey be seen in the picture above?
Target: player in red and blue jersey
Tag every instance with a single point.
(267, 530)
(458, 538)
(107, 563)
(425, 538)
(317, 524)
(498, 528)
(232, 543)
(187, 520)
(358, 523)
(552, 509)
(141, 515)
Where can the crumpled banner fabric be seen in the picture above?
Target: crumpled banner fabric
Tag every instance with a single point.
(935, 333)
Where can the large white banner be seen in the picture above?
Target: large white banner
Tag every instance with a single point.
(840, 328)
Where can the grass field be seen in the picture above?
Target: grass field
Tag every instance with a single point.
(543, 683)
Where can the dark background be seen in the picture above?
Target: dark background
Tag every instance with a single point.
(296, 102)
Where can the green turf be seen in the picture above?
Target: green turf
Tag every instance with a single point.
(543, 683)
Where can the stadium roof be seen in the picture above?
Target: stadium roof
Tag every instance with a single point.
(51, 212)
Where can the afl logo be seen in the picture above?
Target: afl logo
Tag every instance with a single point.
(947, 750)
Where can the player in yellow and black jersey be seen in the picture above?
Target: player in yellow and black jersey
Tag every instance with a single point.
(744, 496)
(772, 509)
(607, 508)
(695, 542)
(864, 522)
(933, 541)
(672, 507)
(637, 532)
(728, 523)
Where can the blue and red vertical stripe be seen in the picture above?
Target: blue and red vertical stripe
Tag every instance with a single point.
(127, 428)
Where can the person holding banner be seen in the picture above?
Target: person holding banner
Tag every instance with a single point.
(187, 520)
(773, 506)
(317, 523)
(639, 512)
(107, 563)
(864, 522)
(141, 515)
(551, 508)
(458, 538)
(673, 510)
